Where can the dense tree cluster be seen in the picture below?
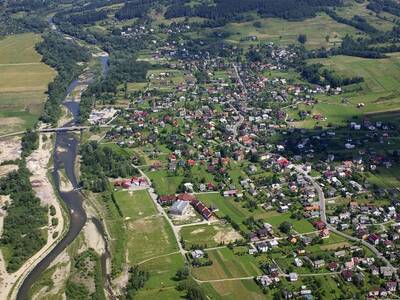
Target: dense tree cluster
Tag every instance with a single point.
(231, 9)
(134, 9)
(99, 163)
(136, 281)
(388, 6)
(87, 17)
(62, 55)
(315, 74)
(29, 142)
(25, 216)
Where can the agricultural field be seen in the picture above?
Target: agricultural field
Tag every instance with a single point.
(228, 265)
(23, 82)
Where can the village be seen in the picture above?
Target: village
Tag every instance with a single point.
(213, 140)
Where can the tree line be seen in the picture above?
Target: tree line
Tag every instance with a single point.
(63, 55)
(232, 9)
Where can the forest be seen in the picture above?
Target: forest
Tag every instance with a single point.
(22, 235)
(99, 163)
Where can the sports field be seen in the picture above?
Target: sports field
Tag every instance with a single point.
(148, 233)
(23, 82)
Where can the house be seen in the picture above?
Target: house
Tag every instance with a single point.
(340, 253)
(179, 208)
(186, 197)
(386, 271)
(374, 239)
(333, 266)
(266, 280)
(262, 247)
(201, 209)
(298, 262)
(283, 208)
(319, 225)
(196, 254)
(293, 277)
(325, 233)
(347, 275)
(318, 264)
(391, 286)
(306, 240)
(273, 243)
(167, 199)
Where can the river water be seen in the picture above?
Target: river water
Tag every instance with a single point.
(73, 200)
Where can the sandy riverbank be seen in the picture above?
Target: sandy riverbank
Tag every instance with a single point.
(37, 163)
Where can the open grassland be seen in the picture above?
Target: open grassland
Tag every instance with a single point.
(380, 91)
(321, 31)
(23, 82)
(227, 265)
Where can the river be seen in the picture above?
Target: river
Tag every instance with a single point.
(73, 200)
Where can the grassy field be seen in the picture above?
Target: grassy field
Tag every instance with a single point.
(161, 284)
(321, 31)
(163, 183)
(206, 235)
(135, 205)
(379, 92)
(23, 82)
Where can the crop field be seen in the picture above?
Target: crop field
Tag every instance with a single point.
(238, 289)
(23, 82)
(228, 265)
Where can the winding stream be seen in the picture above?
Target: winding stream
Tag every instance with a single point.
(73, 200)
